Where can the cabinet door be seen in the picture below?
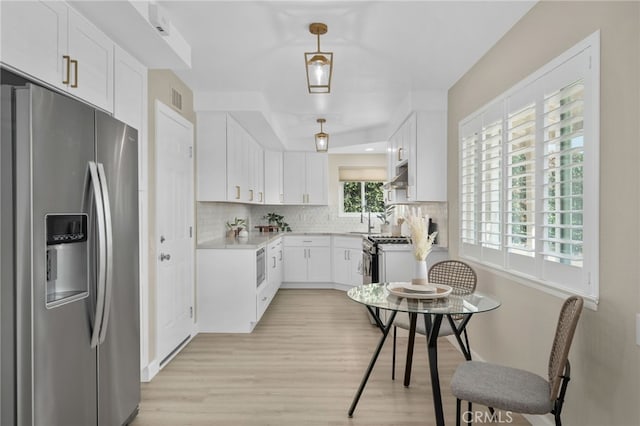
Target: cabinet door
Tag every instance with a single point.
(341, 266)
(355, 266)
(294, 178)
(250, 159)
(316, 178)
(130, 103)
(234, 158)
(295, 267)
(92, 75)
(319, 264)
(410, 146)
(34, 39)
(273, 177)
(211, 157)
(258, 156)
(280, 266)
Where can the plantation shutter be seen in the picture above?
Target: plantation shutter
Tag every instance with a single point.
(529, 176)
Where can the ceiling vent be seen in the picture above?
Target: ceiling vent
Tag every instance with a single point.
(176, 99)
(159, 19)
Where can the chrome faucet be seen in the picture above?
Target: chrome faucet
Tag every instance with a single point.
(369, 226)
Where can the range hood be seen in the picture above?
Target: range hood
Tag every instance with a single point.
(400, 180)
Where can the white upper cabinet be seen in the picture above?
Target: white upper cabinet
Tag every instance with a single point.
(305, 178)
(211, 156)
(295, 187)
(420, 143)
(273, 178)
(34, 39)
(230, 162)
(53, 43)
(91, 63)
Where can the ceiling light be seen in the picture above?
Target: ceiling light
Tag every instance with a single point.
(322, 138)
(319, 64)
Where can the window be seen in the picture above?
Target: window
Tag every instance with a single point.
(358, 197)
(529, 172)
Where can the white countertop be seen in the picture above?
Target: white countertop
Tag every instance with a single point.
(256, 240)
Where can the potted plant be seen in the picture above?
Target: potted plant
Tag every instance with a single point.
(385, 217)
(234, 228)
(278, 220)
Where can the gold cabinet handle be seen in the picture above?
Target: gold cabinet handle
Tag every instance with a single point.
(260, 196)
(400, 154)
(237, 192)
(67, 61)
(75, 71)
(251, 195)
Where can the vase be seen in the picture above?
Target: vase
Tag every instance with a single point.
(420, 273)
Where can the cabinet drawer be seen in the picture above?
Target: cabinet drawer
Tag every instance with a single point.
(263, 299)
(307, 241)
(348, 242)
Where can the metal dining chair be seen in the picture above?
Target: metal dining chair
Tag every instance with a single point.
(462, 278)
(516, 390)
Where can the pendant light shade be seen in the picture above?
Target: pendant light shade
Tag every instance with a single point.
(322, 138)
(319, 64)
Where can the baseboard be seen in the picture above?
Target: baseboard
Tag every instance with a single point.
(304, 285)
(535, 420)
(150, 371)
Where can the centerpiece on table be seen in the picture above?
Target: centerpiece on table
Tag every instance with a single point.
(422, 243)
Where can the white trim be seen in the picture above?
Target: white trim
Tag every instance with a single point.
(552, 289)
(150, 371)
(341, 212)
(306, 285)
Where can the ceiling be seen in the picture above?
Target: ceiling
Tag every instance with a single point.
(247, 56)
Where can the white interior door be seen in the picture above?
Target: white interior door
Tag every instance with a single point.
(174, 230)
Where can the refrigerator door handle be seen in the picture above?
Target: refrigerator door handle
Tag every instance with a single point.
(102, 252)
(109, 245)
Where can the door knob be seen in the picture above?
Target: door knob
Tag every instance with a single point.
(164, 257)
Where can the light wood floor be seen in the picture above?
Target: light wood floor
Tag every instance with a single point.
(301, 366)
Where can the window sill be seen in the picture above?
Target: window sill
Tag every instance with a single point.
(589, 301)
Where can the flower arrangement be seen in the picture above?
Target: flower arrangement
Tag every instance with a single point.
(420, 238)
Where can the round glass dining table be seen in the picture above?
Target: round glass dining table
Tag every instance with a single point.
(377, 296)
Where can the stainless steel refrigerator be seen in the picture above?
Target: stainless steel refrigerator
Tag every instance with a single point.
(69, 250)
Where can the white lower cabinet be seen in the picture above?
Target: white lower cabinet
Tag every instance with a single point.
(229, 299)
(399, 264)
(347, 260)
(307, 259)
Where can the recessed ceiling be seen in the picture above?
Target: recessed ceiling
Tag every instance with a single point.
(383, 50)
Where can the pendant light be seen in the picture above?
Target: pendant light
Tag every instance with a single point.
(319, 64)
(322, 138)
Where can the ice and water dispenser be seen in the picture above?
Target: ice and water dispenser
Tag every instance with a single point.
(67, 258)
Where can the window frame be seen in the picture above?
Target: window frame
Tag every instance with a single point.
(341, 212)
(535, 271)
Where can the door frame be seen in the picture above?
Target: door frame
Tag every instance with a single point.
(161, 110)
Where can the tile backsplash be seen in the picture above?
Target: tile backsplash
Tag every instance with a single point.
(212, 218)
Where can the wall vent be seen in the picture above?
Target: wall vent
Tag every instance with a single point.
(176, 99)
